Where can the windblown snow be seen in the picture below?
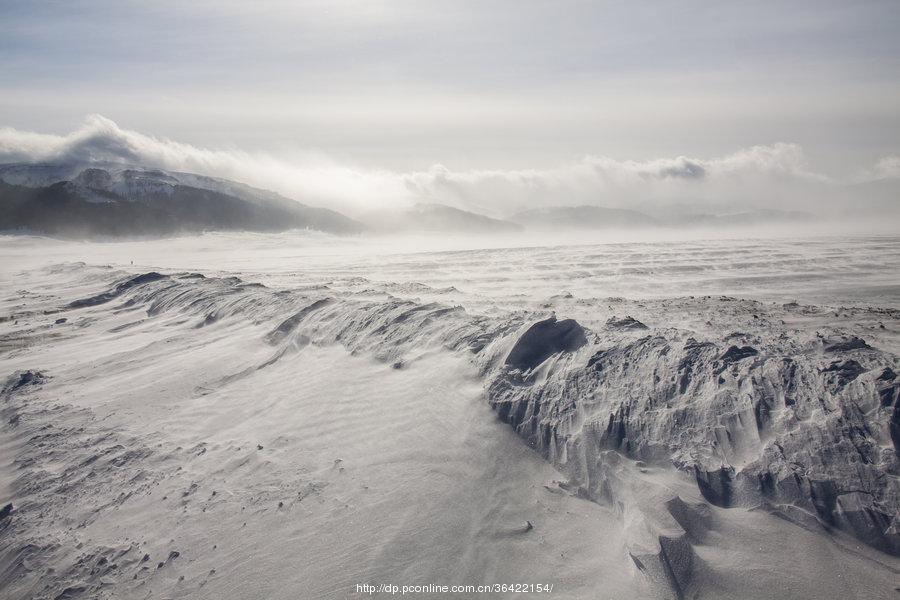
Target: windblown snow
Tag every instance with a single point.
(288, 416)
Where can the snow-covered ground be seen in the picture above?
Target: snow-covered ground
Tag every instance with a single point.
(288, 416)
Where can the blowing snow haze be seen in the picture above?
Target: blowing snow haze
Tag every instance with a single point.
(104, 180)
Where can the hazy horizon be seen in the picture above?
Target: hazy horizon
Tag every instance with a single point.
(777, 176)
(359, 106)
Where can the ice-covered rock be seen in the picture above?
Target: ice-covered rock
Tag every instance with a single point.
(542, 340)
(782, 423)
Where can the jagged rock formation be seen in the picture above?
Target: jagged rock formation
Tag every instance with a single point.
(791, 423)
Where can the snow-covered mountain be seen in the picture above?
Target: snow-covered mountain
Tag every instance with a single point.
(114, 199)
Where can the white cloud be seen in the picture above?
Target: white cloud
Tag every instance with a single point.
(738, 178)
(775, 175)
(887, 168)
(314, 179)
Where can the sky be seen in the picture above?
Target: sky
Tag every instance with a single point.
(415, 98)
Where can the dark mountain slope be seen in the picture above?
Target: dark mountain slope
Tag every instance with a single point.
(98, 202)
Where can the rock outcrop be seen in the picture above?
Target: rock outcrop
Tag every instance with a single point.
(783, 421)
(542, 340)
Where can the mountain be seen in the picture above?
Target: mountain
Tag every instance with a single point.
(75, 199)
(436, 217)
(581, 217)
(763, 216)
(598, 217)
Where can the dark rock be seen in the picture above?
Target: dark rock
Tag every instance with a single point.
(6, 511)
(845, 371)
(888, 387)
(887, 375)
(22, 379)
(544, 339)
(626, 323)
(693, 358)
(853, 343)
(716, 486)
(616, 428)
(734, 354)
(596, 361)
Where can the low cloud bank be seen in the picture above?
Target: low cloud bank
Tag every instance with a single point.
(772, 176)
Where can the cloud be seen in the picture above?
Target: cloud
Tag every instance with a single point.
(775, 175)
(887, 168)
(312, 178)
(757, 176)
(99, 140)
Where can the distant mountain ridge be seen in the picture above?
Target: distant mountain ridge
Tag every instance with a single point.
(116, 200)
(582, 217)
(112, 199)
(751, 217)
(436, 217)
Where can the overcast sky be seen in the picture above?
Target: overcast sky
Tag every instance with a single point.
(403, 86)
(467, 84)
